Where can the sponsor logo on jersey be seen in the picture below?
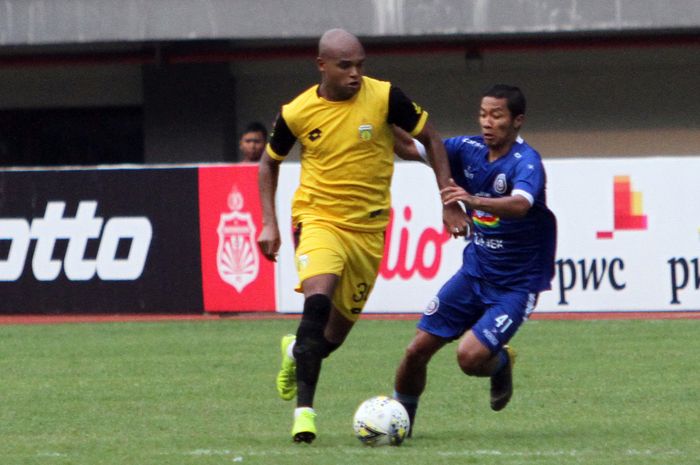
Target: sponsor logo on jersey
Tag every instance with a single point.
(114, 235)
(489, 243)
(473, 143)
(315, 134)
(490, 337)
(469, 172)
(487, 220)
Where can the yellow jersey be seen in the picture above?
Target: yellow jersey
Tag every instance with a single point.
(347, 156)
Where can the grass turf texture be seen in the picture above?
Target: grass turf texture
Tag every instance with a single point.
(586, 392)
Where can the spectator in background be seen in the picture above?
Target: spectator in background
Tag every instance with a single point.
(252, 142)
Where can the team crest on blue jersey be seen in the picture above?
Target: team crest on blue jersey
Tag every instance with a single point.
(365, 131)
(499, 184)
(432, 306)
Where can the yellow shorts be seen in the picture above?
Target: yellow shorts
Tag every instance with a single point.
(352, 255)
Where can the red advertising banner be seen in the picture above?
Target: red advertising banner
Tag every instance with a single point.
(235, 275)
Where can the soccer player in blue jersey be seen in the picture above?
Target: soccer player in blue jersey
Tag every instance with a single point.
(508, 261)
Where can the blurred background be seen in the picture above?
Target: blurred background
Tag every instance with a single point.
(86, 82)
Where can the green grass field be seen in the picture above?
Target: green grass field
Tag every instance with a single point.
(201, 393)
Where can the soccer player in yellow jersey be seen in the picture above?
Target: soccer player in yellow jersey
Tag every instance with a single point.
(341, 208)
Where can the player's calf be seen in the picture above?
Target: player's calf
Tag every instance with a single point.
(310, 347)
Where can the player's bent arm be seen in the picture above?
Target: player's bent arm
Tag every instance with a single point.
(437, 157)
(513, 206)
(408, 148)
(453, 216)
(276, 150)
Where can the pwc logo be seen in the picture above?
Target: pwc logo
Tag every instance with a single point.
(112, 234)
(628, 209)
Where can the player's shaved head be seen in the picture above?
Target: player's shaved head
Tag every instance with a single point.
(335, 42)
(340, 60)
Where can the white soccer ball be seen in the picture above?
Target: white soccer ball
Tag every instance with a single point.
(381, 421)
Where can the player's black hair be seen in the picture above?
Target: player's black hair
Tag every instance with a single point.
(256, 126)
(513, 95)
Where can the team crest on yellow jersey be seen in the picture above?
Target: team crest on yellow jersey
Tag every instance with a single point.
(366, 132)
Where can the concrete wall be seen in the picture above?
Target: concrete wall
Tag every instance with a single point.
(32, 22)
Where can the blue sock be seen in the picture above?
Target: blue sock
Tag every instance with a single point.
(502, 360)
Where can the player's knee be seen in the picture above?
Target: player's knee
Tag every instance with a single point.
(416, 355)
(471, 362)
(309, 344)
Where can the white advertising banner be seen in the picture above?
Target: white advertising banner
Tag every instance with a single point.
(629, 238)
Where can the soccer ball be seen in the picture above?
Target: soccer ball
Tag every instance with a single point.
(381, 421)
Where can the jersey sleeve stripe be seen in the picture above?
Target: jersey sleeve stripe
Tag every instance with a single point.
(274, 155)
(420, 124)
(525, 194)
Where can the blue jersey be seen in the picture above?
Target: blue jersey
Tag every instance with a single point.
(516, 253)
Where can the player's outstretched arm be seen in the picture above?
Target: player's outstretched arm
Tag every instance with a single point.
(453, 217)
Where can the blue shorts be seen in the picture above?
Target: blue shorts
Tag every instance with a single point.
(464, 302)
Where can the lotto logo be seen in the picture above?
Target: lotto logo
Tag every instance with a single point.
(109, 265)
